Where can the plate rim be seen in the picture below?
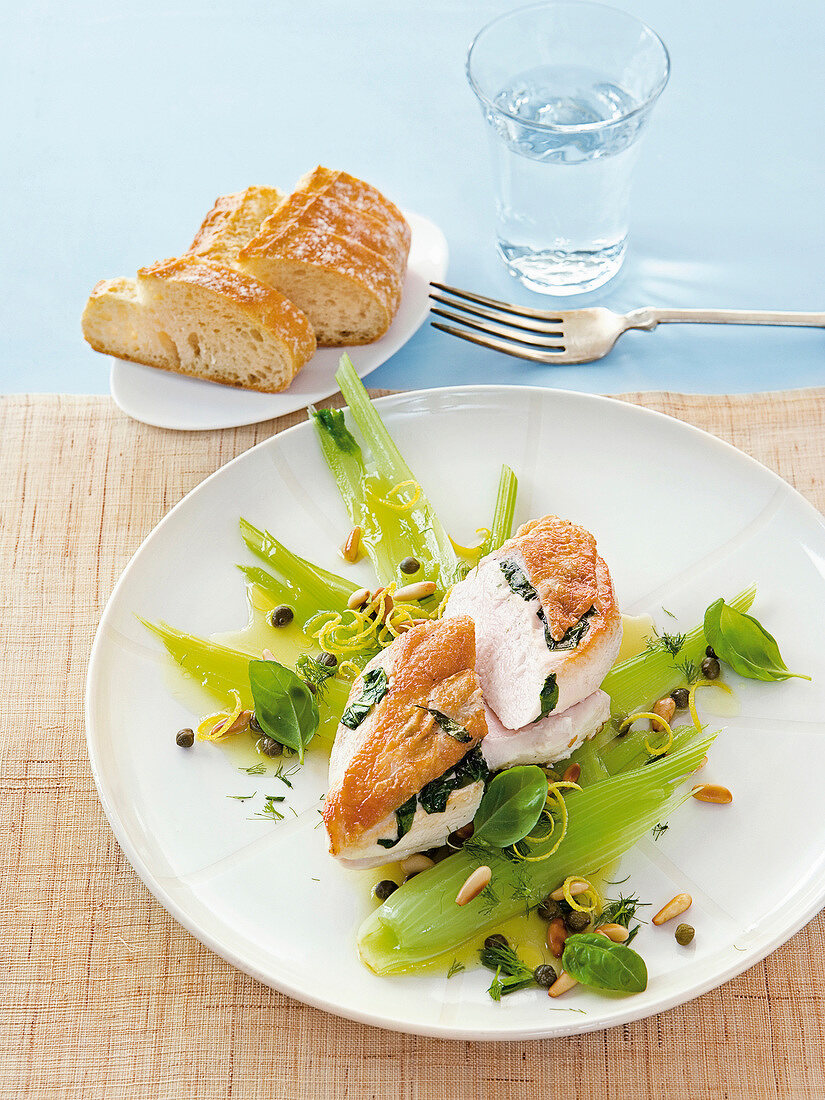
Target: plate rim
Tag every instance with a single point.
(116, 365)
(521, 1033)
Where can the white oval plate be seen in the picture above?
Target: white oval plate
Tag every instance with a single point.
(167, 400)
(681, 518)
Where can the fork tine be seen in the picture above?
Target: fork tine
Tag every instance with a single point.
(507, 307)
(513, 319)
(502, 345)
(490, 328)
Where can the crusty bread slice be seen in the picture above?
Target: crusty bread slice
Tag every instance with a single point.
(232, 221)
(116, 322)
(342, 187)
(202, 319)
(342, 263)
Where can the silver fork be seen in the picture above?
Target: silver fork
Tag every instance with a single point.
(576, 335)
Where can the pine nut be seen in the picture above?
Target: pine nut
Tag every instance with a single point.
(358, 599)
(615, 932)
(402, 628)
(414, 864)
(417, 591)
(674, 908)
(267, 655)
(562, 984)
(474, 885)
(710, 792)
(572, 773)
(575, 889)
(351, 550)
(556, 935)
(665, 708)
(240, 723)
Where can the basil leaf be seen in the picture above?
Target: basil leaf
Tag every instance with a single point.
(449, 725)
(285, 708)
(518, 582)
(511, 806)
(433, 796)
(373, 691)
(404, 817)
(549, 697)
(743, 643)
(517, 579)
(596, 961)
(571, 637)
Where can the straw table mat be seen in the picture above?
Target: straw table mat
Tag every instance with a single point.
(103, 995)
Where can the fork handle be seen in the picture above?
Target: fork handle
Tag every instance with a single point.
(649, 317)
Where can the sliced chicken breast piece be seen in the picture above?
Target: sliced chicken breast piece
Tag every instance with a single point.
(547, 625)
(405, 769)
(553, 738)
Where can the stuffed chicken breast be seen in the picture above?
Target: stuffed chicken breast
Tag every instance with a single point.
(547, 625)
(406, 768)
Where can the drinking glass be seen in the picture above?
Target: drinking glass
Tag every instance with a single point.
(566, 89)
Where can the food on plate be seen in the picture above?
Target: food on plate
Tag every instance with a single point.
(267, 278)
(339, 250)
(405, 770)
(232, 221)
(488, 757)
(202, 319)
(547, 625)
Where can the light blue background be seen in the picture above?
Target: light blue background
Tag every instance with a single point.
(121, 126)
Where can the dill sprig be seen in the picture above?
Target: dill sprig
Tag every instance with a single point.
(689, 669)
(256, 769)
(659, 829)
(511, 973)
(270, 809)
(314, 672)
(284, 775)
(242, 797)
(671, 643)
(622, 911)
(489, 899)
(455, 968)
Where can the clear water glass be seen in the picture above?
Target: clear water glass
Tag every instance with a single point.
(566, 89)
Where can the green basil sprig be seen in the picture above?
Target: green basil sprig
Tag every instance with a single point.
(743, 643)
(511, 806)
(285, 708)
(596, 961)
(435, 795)
(373, 691)
(404, 818)
(449, 725)
(549, 697)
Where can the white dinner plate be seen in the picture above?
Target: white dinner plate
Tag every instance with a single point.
(167, 400)
(680, 517)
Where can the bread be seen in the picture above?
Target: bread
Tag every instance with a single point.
(232, 221)
(200, 318)
(338, 249)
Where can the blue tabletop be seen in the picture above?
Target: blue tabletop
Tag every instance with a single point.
(121, 127)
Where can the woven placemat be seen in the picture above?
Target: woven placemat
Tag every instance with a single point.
(104, 995)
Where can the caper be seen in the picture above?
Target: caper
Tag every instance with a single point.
(384, 888)
(328, 659)
(270, 747)
(549, 909)
(545, 975)
(282, 615)
(496, 940)
(710, 668)
(684, 934)
(410, 566)
(710, 651)
(576, 921)
(254, 724)
(458, 838)
(185, 738)
(681, 697)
